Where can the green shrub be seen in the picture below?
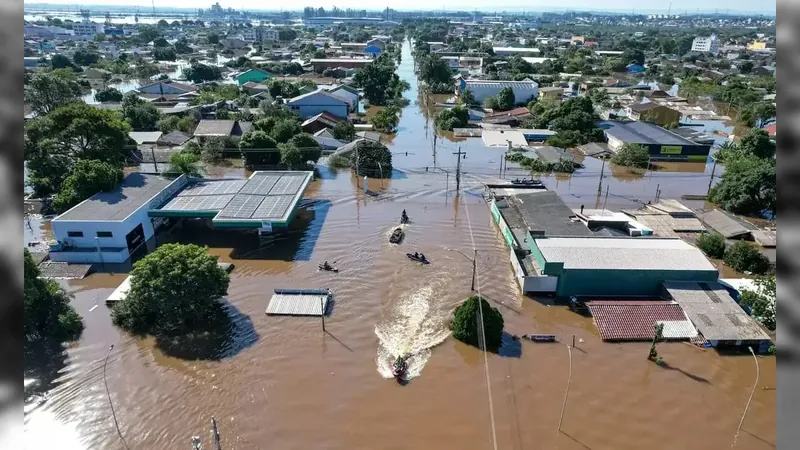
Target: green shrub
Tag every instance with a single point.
(632, 155)
(465, 323)
(745, 257)
(712, 244)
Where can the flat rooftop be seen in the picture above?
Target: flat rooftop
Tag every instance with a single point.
(543, 211)
(623, 253)
(134, 192)
(714, 312)
(643, 133)
(265, 196)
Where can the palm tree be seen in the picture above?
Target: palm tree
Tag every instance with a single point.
(185, 163)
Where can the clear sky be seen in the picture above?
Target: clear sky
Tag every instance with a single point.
(678, 6)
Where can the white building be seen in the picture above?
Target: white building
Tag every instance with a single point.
(706, 44)
(481, 89)
(259, 34)
(87, 28)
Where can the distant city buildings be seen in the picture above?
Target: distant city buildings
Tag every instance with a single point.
(706, 44)
(259, 34)
(87, 28)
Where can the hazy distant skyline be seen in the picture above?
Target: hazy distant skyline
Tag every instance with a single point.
(678, 6)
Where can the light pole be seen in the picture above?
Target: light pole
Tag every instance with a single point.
(566, 394)
(753, 391)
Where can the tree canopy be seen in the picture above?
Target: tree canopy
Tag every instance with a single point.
(748, 186)
(372, 159)
(253, 145)
(386, 119)
(712, 244)
(632, 155)
(466, 327)
(47, 91)
(86, 178)
(174, 291)
(141, 115)
(47, 310)
(199, 73)
(344, 131)
(185, 163)
(761, 301)
(379, 81)
(455, 117)
(108, 94)
(308, 147)
(743, 256)
(435, 72)
(285, 129)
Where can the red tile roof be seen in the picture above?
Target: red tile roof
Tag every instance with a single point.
(772, 129)
(632, 320)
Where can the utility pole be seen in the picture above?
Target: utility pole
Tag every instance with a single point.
(458, 168)
(215, 433)
(474, 266)
(713, 170)
(602, 169)
(153, 152)
(566, 394)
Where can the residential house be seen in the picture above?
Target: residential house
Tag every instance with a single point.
(347, 93)
(554, 92)
(509, 51)
(221, 128)
(253, 88)
(654, 112)
(482, 89)
(320, 121)
(381, 44)
(436, 46)
(233, 43)
(313, 103)
(174, 139)
(253, 75)
(372, 51)
(167, 87)
(321, 64)
(577, 40)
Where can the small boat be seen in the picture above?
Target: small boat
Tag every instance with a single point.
(526, 182)
(404, 218)
(399, 367)
(328, 269)
(416, 258)
(397, 236)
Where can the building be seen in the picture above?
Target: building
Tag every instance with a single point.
(380, 43)
(481, 89)
(662, 144)
(259, 34)
(233, 43)
(655, 113)
(551, 92)
(167, 87)
(617, 266)
(321, 64)
(706, 44)
(221, 128)
(87, 28)
(756, 46)
(320, 122)
(348, 94)
(313, 103)
(577, 40)
(509, 51)
(436, 46)
(372, 51)
(254, 76)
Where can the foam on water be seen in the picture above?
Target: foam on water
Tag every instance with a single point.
(414, 326)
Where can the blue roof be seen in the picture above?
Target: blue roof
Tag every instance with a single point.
(372, 49)
(635, 68)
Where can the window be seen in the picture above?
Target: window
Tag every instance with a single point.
(104, 234)
(75, 233)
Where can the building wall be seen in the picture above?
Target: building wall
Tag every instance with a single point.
(347, 96)
(609, 282)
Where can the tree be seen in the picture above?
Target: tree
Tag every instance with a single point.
(386, 119)
(285, 130)
(164, 54)
(757, 115)
(291, 157)
(308, 147)
(168, 124)
(372, 159)
(185, 163)
(491, 102)
(199, 73)
(85, 57)
(599, 97)
(712, 244)
(466, 325)
(748, 186)
(455, 117)
(467, 98)
(53, 143)
(658, 334)
(743, 256)
(616, 65)
(59, 61)
(86, 178)
(565, 139)
(761, 301)
(47, 91)
(633, 56)
(266, 124)
(757, 143)
(257, 149)
(175, 290)
(632, 155)
(108, 94)
(746, 67)
(505, 99)
(344, 131)
(47, 310)
(667, 45)
(141, 115)
(376, 80)
(162, 24)
(435, 72)
(182, 46)
(213, 38)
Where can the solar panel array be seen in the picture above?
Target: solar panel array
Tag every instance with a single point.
(198, 203)
(273, 207)
(287, 185)
(214, 188)
(241, 207)
(260, 185)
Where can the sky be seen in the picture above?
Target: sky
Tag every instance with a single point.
(678, 6)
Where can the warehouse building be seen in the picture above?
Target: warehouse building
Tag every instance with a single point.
(110, 226)
(662, 144)
(482, 89)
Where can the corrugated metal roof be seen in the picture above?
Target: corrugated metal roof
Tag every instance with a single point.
(299, 302)
(715, 314)
(500, 138)
(145, 137)
(214, 128)
(623, 253)
(635, 320)
(724, 224)
(643, 133)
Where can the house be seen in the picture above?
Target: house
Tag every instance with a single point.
(634, 68)
(313, 103)
(577, 40)
(96, 74)
(253, 88)
(654, 112)
(348, 94)
(320, 122)
(706, 44)
(166, 87)
(145, 137)
(233, 43)
(320, 64)
(551, 92)
(372, 51)
(325, 139)
(174, 139)
(662, 144)
(253, 75)
(481, 89)
(508, 51)
(436, 46)
(376, 42)
(221, 128)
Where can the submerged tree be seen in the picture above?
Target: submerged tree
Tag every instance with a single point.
(466, 325)
(48, 313)
(658, 335)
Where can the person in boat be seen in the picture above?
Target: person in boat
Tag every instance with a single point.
(326, 266)
(404, 216)
(422, 257)
(416, 255)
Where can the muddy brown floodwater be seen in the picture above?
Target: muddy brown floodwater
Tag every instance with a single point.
(283, 383)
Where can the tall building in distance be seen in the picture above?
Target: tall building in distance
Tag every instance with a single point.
(706, 44)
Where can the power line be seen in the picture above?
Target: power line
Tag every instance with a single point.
(108, 393)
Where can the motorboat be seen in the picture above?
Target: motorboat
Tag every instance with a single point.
(418, 258)
(328, 268)
(526, 182)
(397, 236)
(399, 367)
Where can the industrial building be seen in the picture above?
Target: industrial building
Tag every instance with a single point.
(109, 226)
(481, 89)
(662, 144)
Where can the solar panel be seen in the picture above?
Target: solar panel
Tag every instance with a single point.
(260, 185)
(287, 185)
(242, 206)
(176, 204)
(273, 207)
(219, 187)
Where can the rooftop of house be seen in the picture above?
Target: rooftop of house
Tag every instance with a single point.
(642, 133)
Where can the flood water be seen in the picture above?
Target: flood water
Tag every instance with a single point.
(281, 382)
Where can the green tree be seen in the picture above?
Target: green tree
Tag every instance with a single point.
(164, 54)
(59, 61)
(757, 115)
(108, 94)
(386, 119)
(373, 159)
(712, 244)
(291, 157)
(633, 56)
(175, 290)
(185, 163)
(466, 325)
(85, 57)
(455, 117)
(47, 91)
(168, 124)
(199, 73)
(284, 130)
(746, 67)
(599, 97)
(761, 301)
(344, 131)
(491, 102)
(86, 178)
(743, 256)
(667, 45)
(308, 147)
(141, 115)
(748, 186)
(187, 124)
(47, 310)
(757, 143)
(632, 155)
(377, 80)
(258, 149)
(213, 38)
(435, 72)
(658, 334)
(505, 99)
(467, 98)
